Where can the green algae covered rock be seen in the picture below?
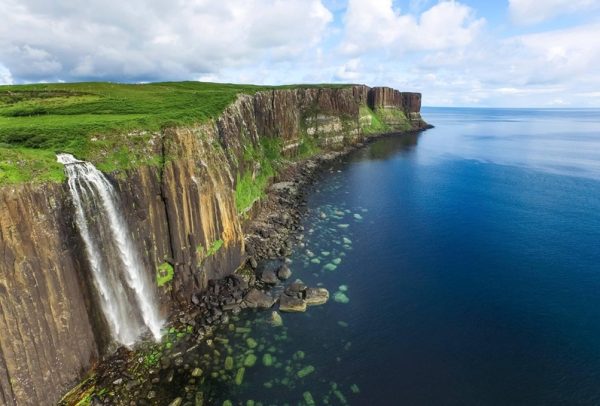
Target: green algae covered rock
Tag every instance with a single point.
(229, 363)
(239, 376)
(307, 370)
(308, 399)
(341, 297)
(251, 342)
(250, 360)
(267, 360)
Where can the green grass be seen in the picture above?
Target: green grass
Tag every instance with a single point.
(18, 165)
(384, 120)
(92, 120)
(214, 247)
(308, 147)
(252, 184)
(376, 126)
(210, 250)
(164, 274)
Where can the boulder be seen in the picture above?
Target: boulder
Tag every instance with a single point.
(269, 277)
(316, 296)
(258, 299)
(291, 304)
(267, 271)
(295, 287)
(284, 273)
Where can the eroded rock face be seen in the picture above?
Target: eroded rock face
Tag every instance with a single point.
(386, 97)
(182, 213)
(46, 334)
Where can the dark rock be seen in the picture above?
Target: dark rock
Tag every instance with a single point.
(258, 299)
(284, 273)
(253, 263)
(231, 307)
(132, 384)
(269, 276)
(295, 287)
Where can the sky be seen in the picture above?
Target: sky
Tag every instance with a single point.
(486, 53)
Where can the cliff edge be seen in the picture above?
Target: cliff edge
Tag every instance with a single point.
(185, 211)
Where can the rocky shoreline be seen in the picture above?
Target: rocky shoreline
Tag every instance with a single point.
(134, 377)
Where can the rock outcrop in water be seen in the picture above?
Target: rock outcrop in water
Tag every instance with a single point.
(182, 214)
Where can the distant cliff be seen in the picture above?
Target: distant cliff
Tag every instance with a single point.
(185, 213)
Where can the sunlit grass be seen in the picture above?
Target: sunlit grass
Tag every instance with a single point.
(90, 121)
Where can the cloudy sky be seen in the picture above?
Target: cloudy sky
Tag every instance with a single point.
(543, 53)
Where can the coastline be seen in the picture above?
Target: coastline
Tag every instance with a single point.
(271, 233)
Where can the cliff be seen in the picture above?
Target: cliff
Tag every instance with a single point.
(185, 214)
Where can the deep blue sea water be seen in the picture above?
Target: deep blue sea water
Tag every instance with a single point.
(470, 255)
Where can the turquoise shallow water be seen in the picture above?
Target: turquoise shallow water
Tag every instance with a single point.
(470, 258)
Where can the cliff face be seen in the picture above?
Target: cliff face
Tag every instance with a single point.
(182, 213)
(382, 98)
(46, 335)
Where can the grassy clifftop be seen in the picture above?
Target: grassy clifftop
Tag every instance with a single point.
(107, 123)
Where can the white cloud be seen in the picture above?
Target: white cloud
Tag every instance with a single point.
(557, 56)
(350, 71)
(153, 39)
(375, 24)
(535, 11)
(5, 76)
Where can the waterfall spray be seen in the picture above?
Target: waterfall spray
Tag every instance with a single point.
(126, 292)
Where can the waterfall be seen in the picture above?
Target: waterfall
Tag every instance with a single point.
(125, 289)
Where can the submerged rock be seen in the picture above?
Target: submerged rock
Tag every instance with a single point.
(251, 342)
(199, 399)
(267, 360)
(239, 376)
(176, 402)
(308, 399)
(341, 297)
(229, 363)
(276, 320)
(307, 370)
(250, 360)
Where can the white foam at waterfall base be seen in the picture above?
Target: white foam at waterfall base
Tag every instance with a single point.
(125, 290)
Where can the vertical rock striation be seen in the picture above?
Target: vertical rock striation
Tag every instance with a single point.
(46, 335)
(182, 214)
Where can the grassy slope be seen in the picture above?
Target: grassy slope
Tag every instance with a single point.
(90, 120)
